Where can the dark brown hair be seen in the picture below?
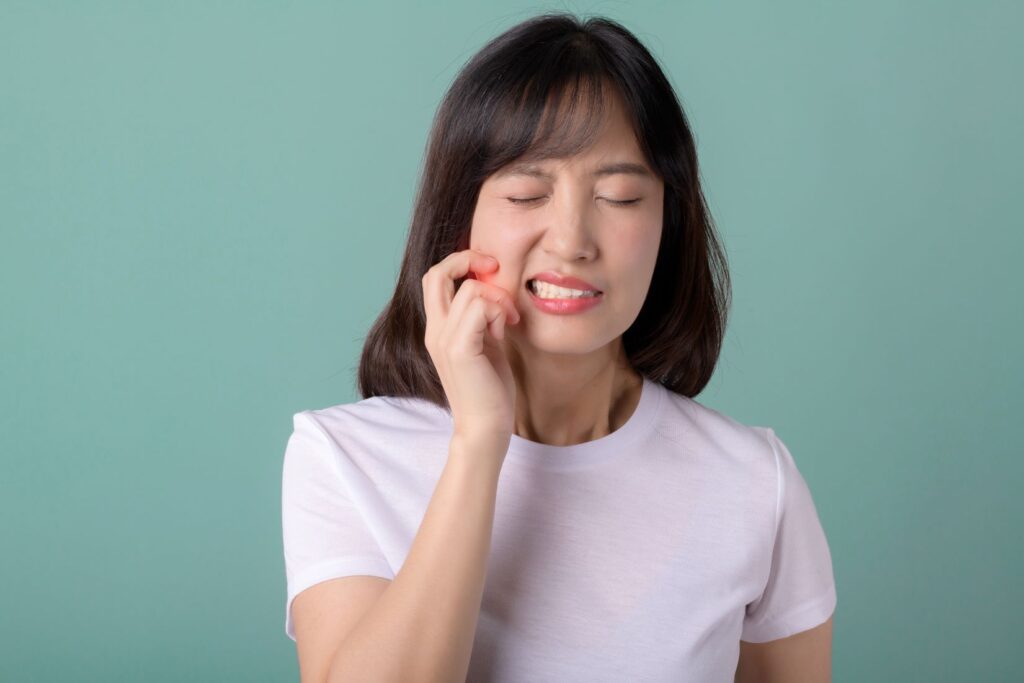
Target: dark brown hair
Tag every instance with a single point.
(494, 113)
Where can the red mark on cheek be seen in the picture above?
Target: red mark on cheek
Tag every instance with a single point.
(485, 276)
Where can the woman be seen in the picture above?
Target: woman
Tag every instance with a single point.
(528, 490)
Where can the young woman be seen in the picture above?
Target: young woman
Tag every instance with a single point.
(528, 490)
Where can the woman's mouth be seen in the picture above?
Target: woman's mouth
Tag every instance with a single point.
(550, 298)
(546, 290)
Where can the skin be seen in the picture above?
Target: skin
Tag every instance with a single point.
(573, 381)
(804, 657)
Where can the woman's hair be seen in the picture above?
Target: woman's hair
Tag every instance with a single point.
(494, 113)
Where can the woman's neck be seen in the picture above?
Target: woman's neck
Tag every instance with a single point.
(562, 404)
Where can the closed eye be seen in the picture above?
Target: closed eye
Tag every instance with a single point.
(617, 202)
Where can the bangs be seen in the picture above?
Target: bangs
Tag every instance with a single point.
(554, 116)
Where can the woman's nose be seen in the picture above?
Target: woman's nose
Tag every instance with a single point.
(569, 232)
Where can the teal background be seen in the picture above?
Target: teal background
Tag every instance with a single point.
(203, 207)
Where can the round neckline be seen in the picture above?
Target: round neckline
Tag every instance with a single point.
(581, 455)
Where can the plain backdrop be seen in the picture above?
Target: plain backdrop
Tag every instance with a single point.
(203, 206)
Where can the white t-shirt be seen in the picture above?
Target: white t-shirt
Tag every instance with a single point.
(646, 554)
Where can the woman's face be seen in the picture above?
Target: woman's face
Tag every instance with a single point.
(571, 226)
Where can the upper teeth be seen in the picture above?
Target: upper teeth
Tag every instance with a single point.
(546, 290)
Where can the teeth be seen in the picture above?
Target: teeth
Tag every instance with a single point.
(546, 290)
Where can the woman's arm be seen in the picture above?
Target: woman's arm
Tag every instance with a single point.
(422, 627)
(804, 657)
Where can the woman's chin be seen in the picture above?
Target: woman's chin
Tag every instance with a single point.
(553, 341)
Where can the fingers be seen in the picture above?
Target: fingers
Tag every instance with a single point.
(443, 303)
(439, 280)
(467, 325)
(475, 289)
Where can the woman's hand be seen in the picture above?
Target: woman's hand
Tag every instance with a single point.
(463, 332)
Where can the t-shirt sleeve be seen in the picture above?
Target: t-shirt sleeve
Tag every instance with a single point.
(800, 592)
(324, 534)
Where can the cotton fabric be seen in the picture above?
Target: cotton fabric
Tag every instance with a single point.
(644, 555)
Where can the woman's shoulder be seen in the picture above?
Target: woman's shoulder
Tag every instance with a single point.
(691, 420)
(392, 414)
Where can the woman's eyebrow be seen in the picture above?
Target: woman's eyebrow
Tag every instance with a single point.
(618, 167)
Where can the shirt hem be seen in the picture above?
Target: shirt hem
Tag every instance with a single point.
(334, 568)
(807, 616)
